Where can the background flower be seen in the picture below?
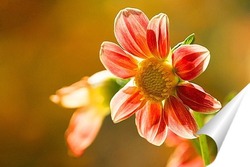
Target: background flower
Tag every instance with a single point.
(91, 96)
(185, 154)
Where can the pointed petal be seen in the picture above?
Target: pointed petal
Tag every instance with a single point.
(179, 119)
(130, 31)
(158, 36)
(196, 98)
(117, 61)
(190, 61)
(125, 102)
(150, 123)
(73, 96)
(83, 129)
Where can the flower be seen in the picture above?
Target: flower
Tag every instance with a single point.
(185, 154)
(91, 95)
(159, 92)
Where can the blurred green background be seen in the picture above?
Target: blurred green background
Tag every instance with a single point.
(48, 44)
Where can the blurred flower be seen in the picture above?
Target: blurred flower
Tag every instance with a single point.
(157, 93)
(185, 154)
(91, 96)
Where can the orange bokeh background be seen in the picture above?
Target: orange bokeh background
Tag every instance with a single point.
(45, 45)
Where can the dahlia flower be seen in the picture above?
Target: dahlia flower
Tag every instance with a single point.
(159, 93)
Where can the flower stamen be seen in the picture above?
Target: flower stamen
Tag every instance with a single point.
(155, 79)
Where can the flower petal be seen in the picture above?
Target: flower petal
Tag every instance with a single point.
(73, 96)
(190, 61)
(83, 129)
(125, 102)
(150, 123)
(185, 155)
(117, 61)
(100, 77)
(158, 36)
(173, 139)
(196, 98)
(130, 31)
(179, 119)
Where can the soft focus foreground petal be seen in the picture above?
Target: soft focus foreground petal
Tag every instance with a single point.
(185, 155)
(130, 31)
(100, 77)
(151, 124)
(82, 130)
(190, 61)
(125, 102)
(196, 98)
(73, 96)
(179, 119)
(117, 61)
(158, 36)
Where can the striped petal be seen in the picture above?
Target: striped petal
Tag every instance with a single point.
(83, 129)
(190, 61)
(125, 102)
(130, 31)
(117, 61)
(158, 36)
(196, 98)
(150, 123)
(179, 119)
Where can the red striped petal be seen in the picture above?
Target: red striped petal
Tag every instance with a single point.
(117, 61)
(196, 98)
(125, 102)
(190, 61)
(83, 129)
(130, 31)
(179, 119)
(150, 123)
(158, 36)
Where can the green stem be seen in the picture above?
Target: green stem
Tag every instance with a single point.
(203, 140)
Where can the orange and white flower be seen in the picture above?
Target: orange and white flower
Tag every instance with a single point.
(159, 92)
(91, 96)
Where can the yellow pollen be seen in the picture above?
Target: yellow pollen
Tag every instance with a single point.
(155, 79)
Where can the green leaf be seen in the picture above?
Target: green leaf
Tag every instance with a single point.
(189, 40)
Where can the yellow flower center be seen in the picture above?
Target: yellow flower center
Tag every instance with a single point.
(155, 79)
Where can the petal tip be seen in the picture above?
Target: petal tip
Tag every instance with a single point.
(55, 99)
(114, 118)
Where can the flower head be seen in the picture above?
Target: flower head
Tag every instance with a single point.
(91, 96)
(159, 92)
